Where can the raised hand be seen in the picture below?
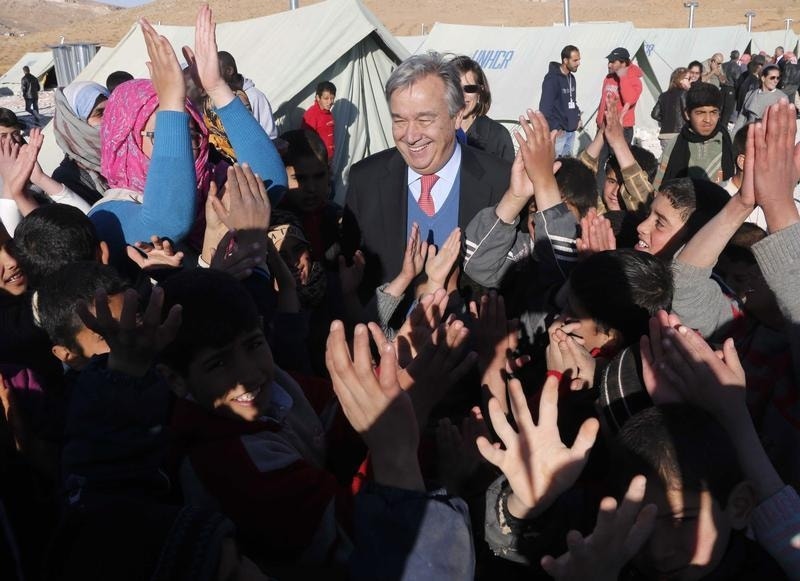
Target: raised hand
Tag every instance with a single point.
(350, 277)
(439, 265)
(203, 60)
(245, 205)
(597, 235)
(618, 535)
(237, 258)
(537, 149)
(132, 345)
(612, 131)
(413, 263)
(419, 325)
(457, 453)
(496, 341)
(165, 71)
(776, 164)
(566, 354)
(18, 165)
(538, 465)
(156, 254)
(659, 385)
(377, 408)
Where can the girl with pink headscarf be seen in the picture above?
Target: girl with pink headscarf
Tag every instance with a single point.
(155, 152)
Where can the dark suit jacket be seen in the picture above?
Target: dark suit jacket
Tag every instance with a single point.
(376, 208)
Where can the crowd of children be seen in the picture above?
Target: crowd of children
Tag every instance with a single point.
(198, 380)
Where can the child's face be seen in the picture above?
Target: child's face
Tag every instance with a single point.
(704, 120)
(611, 191)
(659, 233)
(313, 185)
(233, 381)
(592, 334)
(12, 279)
(690, 536)
(325, 100)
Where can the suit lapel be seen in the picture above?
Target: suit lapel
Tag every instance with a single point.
(475, 194)
(393, 191)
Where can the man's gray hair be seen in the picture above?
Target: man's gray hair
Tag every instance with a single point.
(419, 66)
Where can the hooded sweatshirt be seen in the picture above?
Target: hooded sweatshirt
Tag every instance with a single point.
(628, 88)
(262, 110)
(558, 91)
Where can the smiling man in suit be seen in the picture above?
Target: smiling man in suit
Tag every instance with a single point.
(427, 178)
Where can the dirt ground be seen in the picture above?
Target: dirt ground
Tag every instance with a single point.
(44, 22)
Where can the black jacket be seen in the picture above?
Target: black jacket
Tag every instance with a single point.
(558, 90)
(489, 136)
(668, 110)
(29, 86)
(376, 208)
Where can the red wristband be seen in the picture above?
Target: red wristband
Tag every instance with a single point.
(553, 373)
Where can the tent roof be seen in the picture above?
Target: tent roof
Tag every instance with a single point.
(281, 53)
(39, 63)
(412, 43)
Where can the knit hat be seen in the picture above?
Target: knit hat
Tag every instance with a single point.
(622, 391)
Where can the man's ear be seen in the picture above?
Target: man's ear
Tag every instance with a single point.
(103, 254)
(740, 161)
(65, 355)
(741, 504)
(175, 380)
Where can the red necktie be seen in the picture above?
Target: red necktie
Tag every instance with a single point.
(425, 198)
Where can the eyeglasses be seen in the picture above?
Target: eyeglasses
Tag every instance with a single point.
(774, 78)
(471, 88)
(197, 138)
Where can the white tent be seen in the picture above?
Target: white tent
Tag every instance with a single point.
(516, 60)
(412, 43)
(40, 64)
(768, 40)
(286, 55)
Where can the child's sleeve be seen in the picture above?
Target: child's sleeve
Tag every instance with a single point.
(776, 525)
(699, 301)
(254, 147)
(409, 535)
(493, 247)
(554, 246)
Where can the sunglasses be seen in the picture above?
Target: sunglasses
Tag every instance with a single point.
(471, 88)
(774, 78)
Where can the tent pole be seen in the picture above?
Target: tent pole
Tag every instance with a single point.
(691, 6)
(567, 20)
(749, 15)
(294, 4)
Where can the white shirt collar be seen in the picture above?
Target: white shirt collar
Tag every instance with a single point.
(448, 173)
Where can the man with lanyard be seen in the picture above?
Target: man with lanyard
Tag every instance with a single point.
(558, 102)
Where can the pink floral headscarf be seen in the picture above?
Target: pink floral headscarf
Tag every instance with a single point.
(122, 161)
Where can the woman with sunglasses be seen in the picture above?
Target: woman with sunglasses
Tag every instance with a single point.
(757, 100)
(481, 132)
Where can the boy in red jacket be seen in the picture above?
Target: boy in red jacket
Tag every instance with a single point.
(319, 118)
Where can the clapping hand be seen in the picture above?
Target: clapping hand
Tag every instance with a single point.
(133, 344)
(597, 235)
(165, 71)
(156, 254)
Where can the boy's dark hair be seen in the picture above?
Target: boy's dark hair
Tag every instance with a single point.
(577, 184)
(303, 143)
(697, 201)
(52, 236)
(116, 78)
(682, 446)
(703, 95)
(9, 119)
(59, 294)
(646, 160)
(26, 69)
(566, 52)
(622, 289)
(739, 248)
(216, 310)
(325, 87)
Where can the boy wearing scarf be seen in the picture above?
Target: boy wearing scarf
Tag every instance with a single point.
(702, 150)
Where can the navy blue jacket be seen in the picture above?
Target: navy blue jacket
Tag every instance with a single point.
(558, 90)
